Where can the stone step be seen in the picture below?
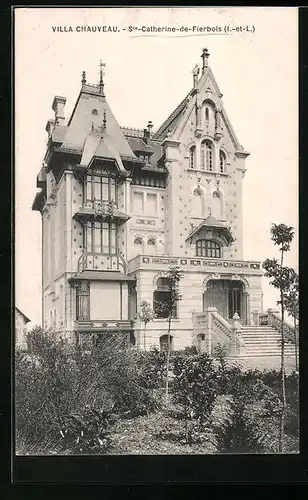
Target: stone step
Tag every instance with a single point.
(258, 355)
(268, 349)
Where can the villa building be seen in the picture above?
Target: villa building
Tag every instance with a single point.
(120, 205)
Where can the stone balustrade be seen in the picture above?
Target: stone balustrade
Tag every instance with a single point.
(159, 262)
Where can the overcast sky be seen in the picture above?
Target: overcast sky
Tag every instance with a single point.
(146, 78)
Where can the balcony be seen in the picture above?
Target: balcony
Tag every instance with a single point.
(197, 264)
(101, 210)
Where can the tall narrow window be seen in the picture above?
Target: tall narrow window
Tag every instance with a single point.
(101, 238)
(105, 234)
(222, 161)
(206, 114)
(202, 155)
(209, 156)
(100, 188)
(192, 157)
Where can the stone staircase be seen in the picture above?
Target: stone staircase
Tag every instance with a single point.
(264, 340)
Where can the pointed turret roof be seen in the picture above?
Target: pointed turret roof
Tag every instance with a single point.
(206, 81)
(90, 114)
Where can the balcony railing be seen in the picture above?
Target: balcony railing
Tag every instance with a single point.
(101, 262)
(101, 207)
(103, 325)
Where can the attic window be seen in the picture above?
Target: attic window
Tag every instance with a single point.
(94, 112)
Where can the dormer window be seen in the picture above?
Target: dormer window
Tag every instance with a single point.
(208, 248)
(192, 157)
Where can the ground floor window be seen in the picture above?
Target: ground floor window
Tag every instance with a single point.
(163, 343)
(162, 300)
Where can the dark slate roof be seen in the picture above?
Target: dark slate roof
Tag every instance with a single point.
(212, 222)
(153, 147)
(101, 276)
(171, 122)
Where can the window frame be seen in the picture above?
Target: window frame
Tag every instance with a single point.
(97, 181)
(192, 157)
(222, 161)
(208, 248)
(97, 233)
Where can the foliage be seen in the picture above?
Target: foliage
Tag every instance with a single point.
(108, 399)
(86, 431)
(61, 379)
(195, 387)
(282, 278)
(146, 313)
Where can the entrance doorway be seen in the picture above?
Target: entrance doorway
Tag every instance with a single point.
(228, 297)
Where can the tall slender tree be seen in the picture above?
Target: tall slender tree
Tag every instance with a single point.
(167, 309)
(291, 303)
(281, 276)
(146, 315)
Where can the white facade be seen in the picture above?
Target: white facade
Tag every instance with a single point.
(119, 206)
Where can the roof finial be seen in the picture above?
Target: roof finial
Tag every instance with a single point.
(205, 56)
(105, 120)
(101, 74)
(83, 78)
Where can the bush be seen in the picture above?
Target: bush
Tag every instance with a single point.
(57, 380)
(195, 388)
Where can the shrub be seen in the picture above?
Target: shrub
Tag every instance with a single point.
(56, 380)
(195, 388)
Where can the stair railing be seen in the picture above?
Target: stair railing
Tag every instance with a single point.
(217, 330)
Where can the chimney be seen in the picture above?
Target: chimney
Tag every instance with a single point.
(150, 126)
(58, 107)
(147, 132)
(205, 59)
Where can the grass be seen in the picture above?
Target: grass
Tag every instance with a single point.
(142, 436)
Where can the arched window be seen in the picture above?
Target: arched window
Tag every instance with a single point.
(138, 241)
(222, 161)
(206, 156)
(163, 343)
(162, 299)
(192, 157)
(151, 245)
(207, 248)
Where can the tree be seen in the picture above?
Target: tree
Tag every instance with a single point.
(291, 303)
(282, 236)
(146, 315)
(167, 308)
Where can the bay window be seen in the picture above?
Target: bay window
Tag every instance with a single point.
(100, 188)
(101, 238)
